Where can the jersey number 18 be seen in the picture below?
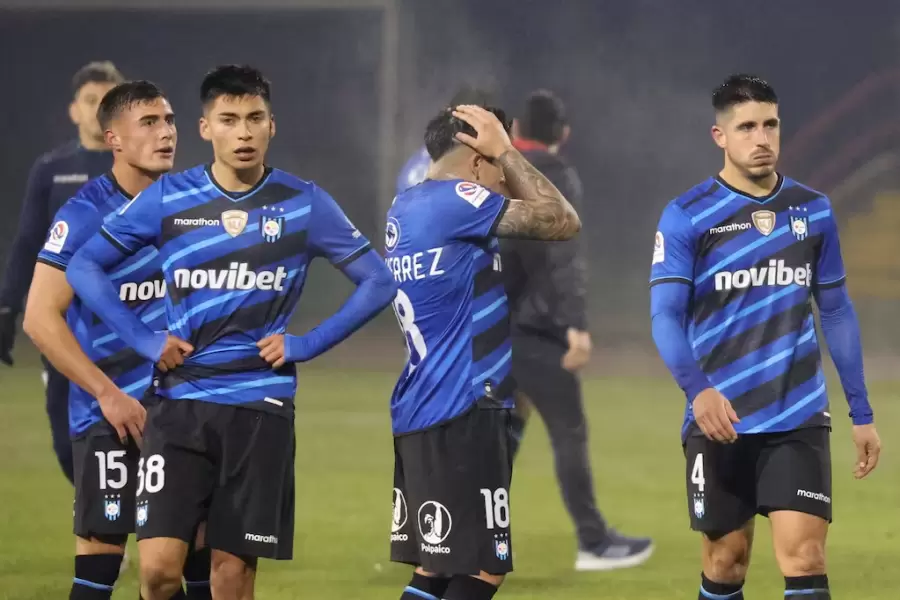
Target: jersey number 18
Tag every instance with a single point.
(415, 343)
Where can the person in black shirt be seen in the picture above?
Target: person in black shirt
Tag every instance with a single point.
(54, 178)
(545, 284)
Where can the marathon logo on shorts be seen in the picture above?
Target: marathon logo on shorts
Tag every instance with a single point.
(434, 526)
(262, 539)
(814, 496)
(399, 517)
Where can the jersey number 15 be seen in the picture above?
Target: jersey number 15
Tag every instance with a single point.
(415, 343)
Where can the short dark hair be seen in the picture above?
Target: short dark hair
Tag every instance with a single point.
(234, 80)
(741, 88)
(124, 96)
(544, 117)
(96, 72)
(440, 134)
(469, 94)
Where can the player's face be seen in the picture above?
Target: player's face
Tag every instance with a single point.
(83, 110)
(750, 134)
(145, 136)
(240, 128)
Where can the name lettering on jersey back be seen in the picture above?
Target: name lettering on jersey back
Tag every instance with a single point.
(415, 267)
(147, 290)
(777, 273)
(237, 277)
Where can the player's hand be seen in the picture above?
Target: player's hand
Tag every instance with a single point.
(7, 334)
(868, 449)
(173, 353)
(124, 413)
(271, 349)
(492, 140)
(715, 416)
(579, 350)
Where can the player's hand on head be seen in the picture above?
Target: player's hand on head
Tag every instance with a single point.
(173, 353)
(579, 353)
(7, 334)
(492, 140)
(868, 449)
(715, 416)
(271, 349)
(124, 413)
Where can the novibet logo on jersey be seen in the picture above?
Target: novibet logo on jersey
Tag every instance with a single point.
(775, 274)
(237, 277)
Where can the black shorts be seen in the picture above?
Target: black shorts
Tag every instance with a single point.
(230, 466)
(451, 508)
(105, 484)
(728, 484)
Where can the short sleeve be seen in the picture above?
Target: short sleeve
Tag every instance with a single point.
(74, 224)
(138, 223)
(673, 248)
(331, 234)
(830, 264)
(471, 211)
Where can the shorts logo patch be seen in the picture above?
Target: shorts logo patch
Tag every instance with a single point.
(399, 517)
(814, 496)
(112, 507)
(501, 545)
(434, 522)
(57, 239)
(699, 506)
(142, 511)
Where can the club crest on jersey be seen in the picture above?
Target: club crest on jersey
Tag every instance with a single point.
(799, 222)
(764, 221)
(142, 511)
(112, 507)
(699, 506)
(501, 545)
(234, 222)
(271, 228)
(391, 234)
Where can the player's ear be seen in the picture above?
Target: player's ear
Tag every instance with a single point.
(271, 126)
(718, 136)
(204, 129)
(477, 165)
(111, 139)
(73, 113)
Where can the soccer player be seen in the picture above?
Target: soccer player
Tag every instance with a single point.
(450, 407)
(416, 167)
(54, 178)
(139, 126)
(235, 239)
(737, 263)
(546, 288)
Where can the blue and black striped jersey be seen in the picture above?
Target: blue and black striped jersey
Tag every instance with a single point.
(140, 285)
(451, 305)
(234, 266)
(753, 265)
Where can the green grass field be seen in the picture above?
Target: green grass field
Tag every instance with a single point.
(344, 463)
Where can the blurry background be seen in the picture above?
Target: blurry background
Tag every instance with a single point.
(354, 83)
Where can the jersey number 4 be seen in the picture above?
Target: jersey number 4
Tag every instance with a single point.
(697, 477)
(415, 343)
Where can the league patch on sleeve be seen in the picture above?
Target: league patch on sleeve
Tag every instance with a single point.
(659, 248)
(472, 193)
(57, 239)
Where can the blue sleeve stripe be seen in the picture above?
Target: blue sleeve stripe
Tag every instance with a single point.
(671, 279)
(115, 242)
(353, 255)
(91, 584)
(52, 263)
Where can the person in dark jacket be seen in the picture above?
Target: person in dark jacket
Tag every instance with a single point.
(54, 178)
(546, 287)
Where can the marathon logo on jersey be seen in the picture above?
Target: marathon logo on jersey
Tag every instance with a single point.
(143, 510)
(112, 507)
(57, 238)
(472, 193)
(434, 526)
(391, 234)
(775, 274)
(799, 222)
(271, 228)
(730, 227)
(147, 290)
(237, 277)
(200, 222)
(501, 545)
(814, 496)
(262, 539)
(234, 222)
(659, 248)
(764, 221)
(71, 178)
(399, 517)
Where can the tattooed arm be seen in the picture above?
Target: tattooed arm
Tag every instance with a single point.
(539, 211)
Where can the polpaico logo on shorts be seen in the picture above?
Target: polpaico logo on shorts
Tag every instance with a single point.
(435, 523)
(399, 517)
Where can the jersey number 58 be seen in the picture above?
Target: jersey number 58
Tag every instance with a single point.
(415, 343)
